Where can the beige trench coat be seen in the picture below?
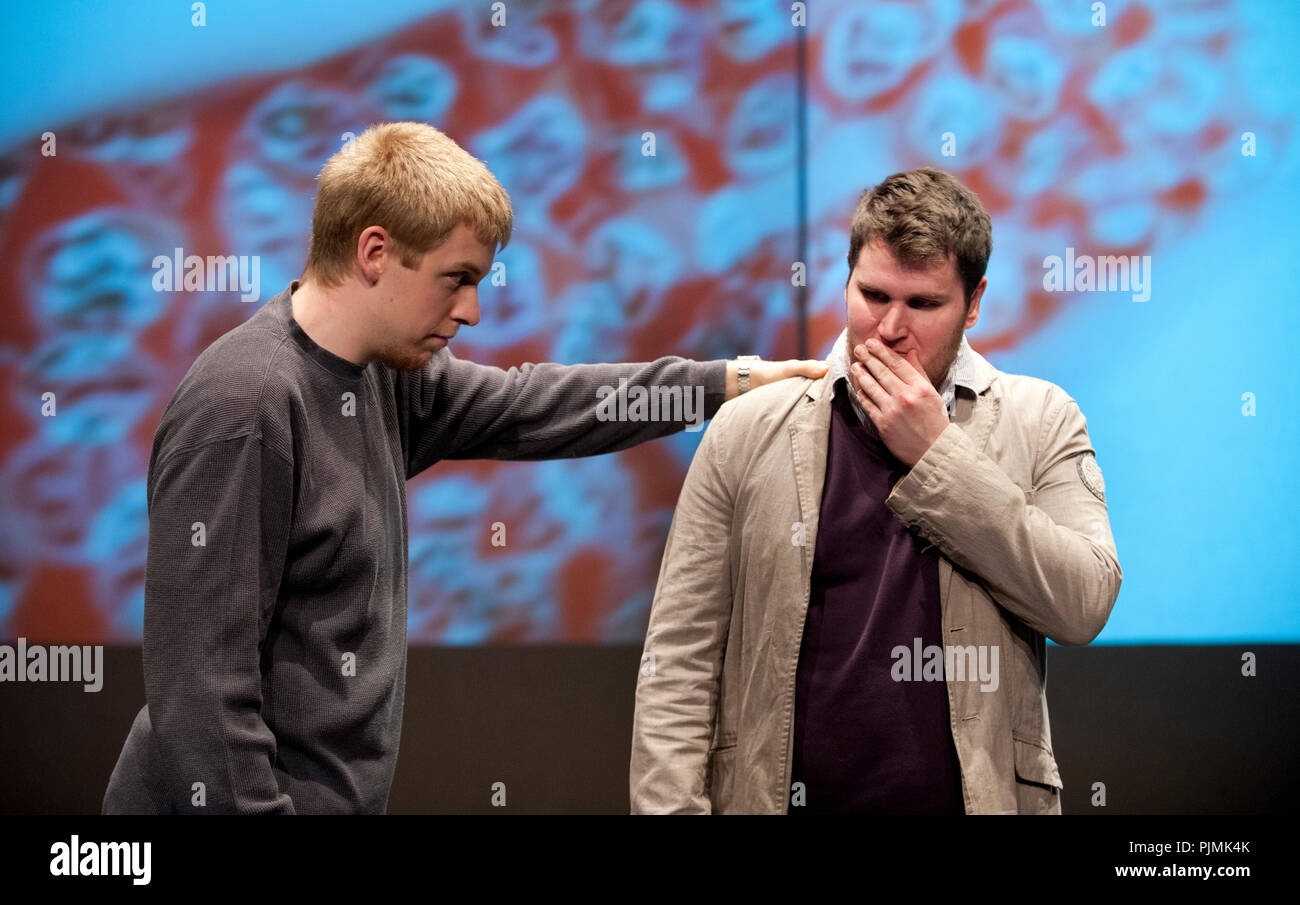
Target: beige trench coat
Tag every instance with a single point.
(1027, 552)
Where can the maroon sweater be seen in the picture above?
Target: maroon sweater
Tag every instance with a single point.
(864, 743)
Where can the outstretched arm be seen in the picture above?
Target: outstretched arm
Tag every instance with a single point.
(454, 409)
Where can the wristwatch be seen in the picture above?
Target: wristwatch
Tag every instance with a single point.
(742, 371)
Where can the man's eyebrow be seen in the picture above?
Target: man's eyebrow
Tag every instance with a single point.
(867, 287)
(466, 265)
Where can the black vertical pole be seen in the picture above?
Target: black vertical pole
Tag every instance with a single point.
(801, 182)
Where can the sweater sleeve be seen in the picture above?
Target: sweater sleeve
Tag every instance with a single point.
(219, 518)
(453, 409)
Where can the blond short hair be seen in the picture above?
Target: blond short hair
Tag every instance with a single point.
(924, 216)
(412, 180)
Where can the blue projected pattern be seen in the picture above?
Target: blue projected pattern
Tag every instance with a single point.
(651, 150)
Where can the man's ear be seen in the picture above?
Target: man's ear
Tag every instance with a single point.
(973, 312)
(373, 252)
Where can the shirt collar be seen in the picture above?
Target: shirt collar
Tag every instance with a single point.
(961, 374)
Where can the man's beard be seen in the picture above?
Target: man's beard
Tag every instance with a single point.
(949, 355)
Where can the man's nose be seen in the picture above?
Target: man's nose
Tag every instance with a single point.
(466, 310)
(893, 326)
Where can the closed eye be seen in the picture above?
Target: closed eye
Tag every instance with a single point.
(919, 303)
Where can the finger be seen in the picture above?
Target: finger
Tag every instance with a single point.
(868, 384)
(897, 363)
(806, 368)
(872, 410)
(915, 358)
(884, 375)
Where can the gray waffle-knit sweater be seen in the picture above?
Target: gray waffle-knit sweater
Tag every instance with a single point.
(275, 588)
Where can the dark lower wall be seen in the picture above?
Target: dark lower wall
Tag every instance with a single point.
(1170, 730)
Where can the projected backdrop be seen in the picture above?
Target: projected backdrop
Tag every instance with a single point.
(652, 154)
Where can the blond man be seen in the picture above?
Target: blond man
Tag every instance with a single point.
(275, 593)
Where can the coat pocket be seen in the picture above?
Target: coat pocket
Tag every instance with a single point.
(1038, 781)
(722, 778)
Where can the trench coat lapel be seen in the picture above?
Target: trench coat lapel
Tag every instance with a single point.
(809, 435)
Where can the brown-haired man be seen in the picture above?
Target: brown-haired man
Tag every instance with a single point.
(851, 610)
(275, 588)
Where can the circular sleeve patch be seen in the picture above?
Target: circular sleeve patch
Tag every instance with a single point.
(1090, 474)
